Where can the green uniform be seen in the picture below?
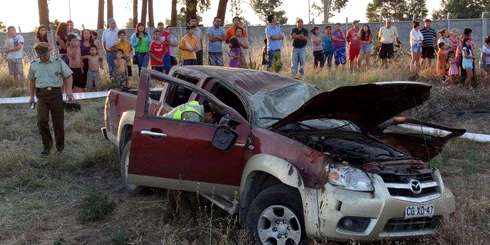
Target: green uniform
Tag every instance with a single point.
(190, 111)
(48, 78)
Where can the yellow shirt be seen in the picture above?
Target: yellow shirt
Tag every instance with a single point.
(124, 46)
(188, 42)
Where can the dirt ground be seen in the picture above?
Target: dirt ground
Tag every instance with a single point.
(41, 198)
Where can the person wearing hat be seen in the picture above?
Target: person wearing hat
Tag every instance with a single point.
(428, 45)
(354, 45)
(47, 76)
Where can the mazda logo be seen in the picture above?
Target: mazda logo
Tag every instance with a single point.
(415, 186)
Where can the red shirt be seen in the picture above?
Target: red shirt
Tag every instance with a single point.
(159, 50)
(353, 37)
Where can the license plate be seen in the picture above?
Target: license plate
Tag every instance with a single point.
(426, 210)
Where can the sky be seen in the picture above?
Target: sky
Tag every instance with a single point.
(24, 13)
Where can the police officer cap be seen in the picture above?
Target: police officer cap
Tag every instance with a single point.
(41, 48)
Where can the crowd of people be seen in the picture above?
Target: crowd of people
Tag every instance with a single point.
(85, 53)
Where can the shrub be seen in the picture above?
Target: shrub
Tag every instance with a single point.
(95, 206)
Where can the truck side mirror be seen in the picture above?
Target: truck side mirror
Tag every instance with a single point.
(224, 137)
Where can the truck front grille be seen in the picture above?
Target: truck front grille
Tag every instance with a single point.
(400, 186)
(414, 224)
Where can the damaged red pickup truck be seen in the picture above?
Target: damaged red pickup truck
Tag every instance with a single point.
(292, 161)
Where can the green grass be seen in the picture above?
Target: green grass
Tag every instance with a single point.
(41, 199)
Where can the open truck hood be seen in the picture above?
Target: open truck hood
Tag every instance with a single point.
(366, 105)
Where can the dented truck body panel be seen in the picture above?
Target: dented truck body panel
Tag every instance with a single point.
(305, 135)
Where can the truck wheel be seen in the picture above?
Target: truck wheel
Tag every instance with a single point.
(124, 168)
(276, 216)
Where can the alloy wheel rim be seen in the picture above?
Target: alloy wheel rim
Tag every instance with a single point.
(278, 225)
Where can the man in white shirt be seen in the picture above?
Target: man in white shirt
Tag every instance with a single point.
(109, 38)
(14, 49)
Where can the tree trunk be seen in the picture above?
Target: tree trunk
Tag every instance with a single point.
(43, 12)
(173, 18)
(144, 10)
(135, 13)
(151, 20)
(326, 10)
(100, 18)
(110, 10)
(222, 10)
(190, 9)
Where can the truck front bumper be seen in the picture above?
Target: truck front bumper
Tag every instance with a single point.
(333, 213)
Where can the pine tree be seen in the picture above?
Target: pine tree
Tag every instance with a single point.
(417, 9)
(327, 7)
(394, 9)
(43, 12)
(461, 9)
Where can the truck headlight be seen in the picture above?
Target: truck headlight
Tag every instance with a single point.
(349, 178)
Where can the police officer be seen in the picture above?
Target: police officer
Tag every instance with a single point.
(192, 111)
(47, 77)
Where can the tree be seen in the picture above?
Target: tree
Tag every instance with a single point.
(129, 24)
(151, 19)
(54, 24)
(265, 8)
(135, 13)
(236, 8)
(43, 12)
(2, 27)
(144, 10)
(326, 7)
(394, 9)
(110, 10)
(460, 9)
(100, 17)
(222, 9)
(417, 9)
(173, 14)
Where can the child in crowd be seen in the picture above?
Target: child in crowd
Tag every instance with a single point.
(74, 54)
(468, 59)
(327, 45)
(453, 71)
(158, 50)
(120, 76)
(442, 61)
(94, 63)
(124, 45)
(264, 55)
(235, 53)
(485, 59)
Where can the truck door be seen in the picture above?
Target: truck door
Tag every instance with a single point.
(178, 154)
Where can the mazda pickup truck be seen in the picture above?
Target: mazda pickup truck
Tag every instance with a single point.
(293, 162)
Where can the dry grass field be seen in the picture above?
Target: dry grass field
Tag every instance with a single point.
(75, 197)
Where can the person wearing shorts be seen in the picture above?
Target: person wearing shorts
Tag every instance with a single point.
(367, 45)
(430, 36)
(355, 44)
(387, 36)
(14, 46)
(416, 39)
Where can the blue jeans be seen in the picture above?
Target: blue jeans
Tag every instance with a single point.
(167, 63)
(110, 56)
(215, 58)
(298, 61)
(274, 60)
(142, 60)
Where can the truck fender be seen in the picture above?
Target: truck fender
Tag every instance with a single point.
(127, 118)
(272, 165)
(287, 174)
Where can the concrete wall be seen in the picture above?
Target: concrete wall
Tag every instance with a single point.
(480, 27)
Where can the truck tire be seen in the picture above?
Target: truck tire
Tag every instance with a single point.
(124, 162)
(275, 216)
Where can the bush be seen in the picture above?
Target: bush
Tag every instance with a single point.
(95, 206)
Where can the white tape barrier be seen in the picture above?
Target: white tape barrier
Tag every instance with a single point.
(78, 96)
(484, 138)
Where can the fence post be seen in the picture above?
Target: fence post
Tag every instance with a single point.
(448, 16)
(484, 21)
